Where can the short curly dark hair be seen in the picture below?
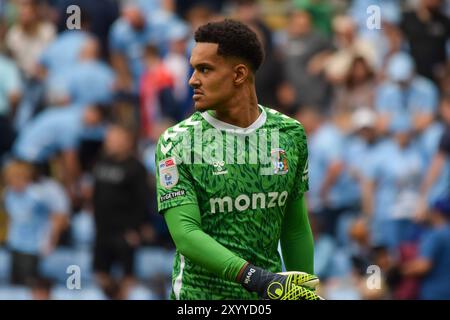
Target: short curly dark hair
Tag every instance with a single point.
(235, 39)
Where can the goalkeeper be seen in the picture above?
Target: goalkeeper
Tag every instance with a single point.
(227, 216)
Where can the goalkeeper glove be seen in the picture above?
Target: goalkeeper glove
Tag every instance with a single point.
(279, 286)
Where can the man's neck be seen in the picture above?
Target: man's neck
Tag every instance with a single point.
(241, 112)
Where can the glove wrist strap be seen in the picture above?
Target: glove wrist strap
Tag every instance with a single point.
(252, 279)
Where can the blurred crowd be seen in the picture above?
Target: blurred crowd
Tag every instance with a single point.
(83, 102)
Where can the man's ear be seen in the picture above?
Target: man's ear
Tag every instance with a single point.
(241, 74)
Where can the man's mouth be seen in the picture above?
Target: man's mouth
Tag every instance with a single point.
(197, 94)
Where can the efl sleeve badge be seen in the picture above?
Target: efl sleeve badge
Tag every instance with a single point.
(168, 173)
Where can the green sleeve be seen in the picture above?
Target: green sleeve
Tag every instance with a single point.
(184, 223)
(297, 243)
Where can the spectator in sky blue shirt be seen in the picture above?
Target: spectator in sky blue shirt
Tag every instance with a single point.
(10, 93)
(361, 143)
(433, 262)
(436, 144)
(330, 193)
(61, 54)
(90, 80)
(64, 50)
(58, 130)
(127, 39)
(10, 85)
(404, 93)
(38, 214)
(57, 60)
(102, 15)
(54, 130)
(392, 178)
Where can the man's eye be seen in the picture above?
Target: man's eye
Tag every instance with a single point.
(204, 70)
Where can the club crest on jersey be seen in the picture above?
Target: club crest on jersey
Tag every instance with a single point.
(168, 173)
(279, 161)
(219, 168)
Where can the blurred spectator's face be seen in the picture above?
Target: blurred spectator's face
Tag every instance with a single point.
(359, 71)
(344, 30)
(92, 116)
(118, 142)
(404, 84)
(17, 177)
(433, 218)
(134, 17)
(437, 218)
(368, 133)
(309, 119)
(198, 15)
(18, 182)
(402, 138)
(90, 50)
(151, 57)
(159, 128)
(445, 110)
(27, 12)
(432, 4)
(382, 259)
(300, 23)
(213, 77)
(248, 11)
(359, 232)
(178, 46)
(394, 36)
(168, 5)
(40, 294)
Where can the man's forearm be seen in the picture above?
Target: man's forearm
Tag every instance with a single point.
(59, 223)
(297, 243)
(192, 242)
(71, 169)
(433, 173)
(368, 190)
(331, 177)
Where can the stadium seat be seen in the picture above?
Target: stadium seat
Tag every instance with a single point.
(5, 265)
(83, 230)
(55, 265)
(151, 262)
(140, 292)
(342, 292)
(341, 265)
(85, 293)
(15, 293)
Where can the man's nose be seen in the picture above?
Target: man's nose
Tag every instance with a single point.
(193, 81)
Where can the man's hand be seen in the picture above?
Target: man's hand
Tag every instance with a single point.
(421, 213)
(279, 286)
(132, 238)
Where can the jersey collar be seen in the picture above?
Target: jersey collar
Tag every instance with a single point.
(224, 126)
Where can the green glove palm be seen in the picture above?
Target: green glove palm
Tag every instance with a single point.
(302, 286)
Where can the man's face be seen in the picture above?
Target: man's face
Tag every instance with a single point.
(432, 4)
(212, 79)
(134, 17)
(445, 110)
(91, 117)
(367, 133)
(17, 182)
(300, 23)
(27, 12)
(402, 138)
(118, 142)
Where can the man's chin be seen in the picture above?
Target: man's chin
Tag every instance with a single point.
(201, 107)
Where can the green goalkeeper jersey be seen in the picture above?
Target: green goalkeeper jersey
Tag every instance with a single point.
(242, 180)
